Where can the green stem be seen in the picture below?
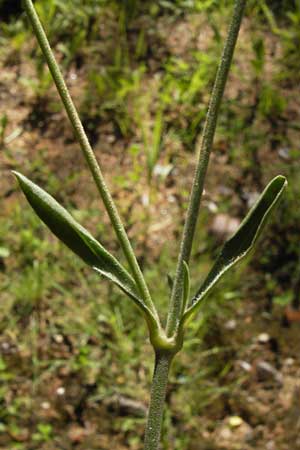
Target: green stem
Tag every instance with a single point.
(157, 401)
(89, 155)
(204, 148)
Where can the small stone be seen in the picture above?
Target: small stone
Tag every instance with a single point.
(45, 405)
(251, 198)
(230, 325)
(58, 338)
(171, 198)
(60, 391)
(263, 338)
(235, 421)
(212, 207)
(5, 346)
(224, 225)
(225, 434)
(266, 372)
(245, 366)
(110, 138)
(162, 171)
(289, 362)
(250, 437)
(224, 190)
(145, 199)
(253, 436)
(284, 153)
(125, 406)
(73, 76)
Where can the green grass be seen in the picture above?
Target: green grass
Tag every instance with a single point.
(85, 337)
(63, 323)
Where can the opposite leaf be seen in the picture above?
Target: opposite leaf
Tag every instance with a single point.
(77, 238)
(241, 243)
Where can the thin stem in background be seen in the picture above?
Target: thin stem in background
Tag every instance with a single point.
(204, 148)
(89, 155)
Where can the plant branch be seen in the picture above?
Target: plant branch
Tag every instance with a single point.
(89, 155)
(157, 401)
(204, 147)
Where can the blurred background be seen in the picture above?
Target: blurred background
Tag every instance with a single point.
(75, 362)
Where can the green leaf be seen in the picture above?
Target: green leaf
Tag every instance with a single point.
(241, 243)
(77, 238)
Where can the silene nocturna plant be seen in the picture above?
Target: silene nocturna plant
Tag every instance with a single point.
(168, 341)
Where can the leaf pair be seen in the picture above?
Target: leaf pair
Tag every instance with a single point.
(79, 240)
(240, 244)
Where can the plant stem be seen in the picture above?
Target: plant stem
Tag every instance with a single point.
(89, 155)
(157, 401)
(204, 147)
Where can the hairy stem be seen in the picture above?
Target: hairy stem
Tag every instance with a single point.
(89, 155)
(157, 401)
(204, 148)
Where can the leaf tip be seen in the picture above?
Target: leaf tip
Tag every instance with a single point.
(281, 180)
(18, 176)
(278, 186)
(186, 267)
(25, 184)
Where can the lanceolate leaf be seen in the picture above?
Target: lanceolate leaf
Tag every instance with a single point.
(241, 243)
(77, 238)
